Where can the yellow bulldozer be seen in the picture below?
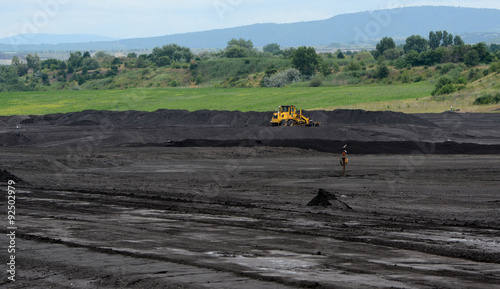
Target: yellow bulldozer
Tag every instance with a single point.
(288, 115)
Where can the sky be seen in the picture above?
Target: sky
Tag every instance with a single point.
(147, 18)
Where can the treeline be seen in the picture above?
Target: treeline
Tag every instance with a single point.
(32, 73)
(441, 47)
(233, 66)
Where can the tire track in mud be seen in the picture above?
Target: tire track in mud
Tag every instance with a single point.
(375, 229)
(380, 222)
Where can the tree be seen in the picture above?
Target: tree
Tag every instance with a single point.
(15, 61)
(21, 68)
(434, 40)
(91, 63)
(132, 55)
(494, 47)
(432, 57)
(62, 65)
(51, 64)
(288, 53)
(116, 61)
(482, 51)
(325, 69)
(363, 56)
(447, 39)
(340, 55)
(247, 44)
(86, 54)
(442, 38)
(457, 41)
(236, 52)
(140, 62)
(101, 54)
(353, 66)
(75, 59)
(416, 43)
(472, 58)
(385, 44)
(413, 58)
(163, 61)
(392, 54)
(45, 79)
(305, 60)
(237, 48)
(172, 51)
(33, 62)
(272, 48)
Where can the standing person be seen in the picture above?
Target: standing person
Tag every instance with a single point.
(344, 160)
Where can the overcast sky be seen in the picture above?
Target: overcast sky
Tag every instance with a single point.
(145, 18)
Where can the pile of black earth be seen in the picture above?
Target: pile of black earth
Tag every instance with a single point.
(326, 199)
(5, 176)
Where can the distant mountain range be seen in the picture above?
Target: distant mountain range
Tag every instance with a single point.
(53, 39)
(474, 25)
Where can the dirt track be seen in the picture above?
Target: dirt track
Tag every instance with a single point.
(106, 204)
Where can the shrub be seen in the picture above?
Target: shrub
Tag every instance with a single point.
(281, 79)
(271, 70)
(353, 66)
(405, 77)
(446, 89)
(383, 71)
(472, 58)
(488, 99)
(447, 68)
(444, 86)
(316, 81)
(495, 67)
(473, 75)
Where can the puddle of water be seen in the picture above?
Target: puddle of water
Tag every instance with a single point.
(302, 267)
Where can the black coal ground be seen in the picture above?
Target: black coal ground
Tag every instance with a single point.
(219, 200)
(365, 132)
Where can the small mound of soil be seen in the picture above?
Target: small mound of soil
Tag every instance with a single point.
(5, 176)
(326, 199)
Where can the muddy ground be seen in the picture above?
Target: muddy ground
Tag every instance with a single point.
(142, 200)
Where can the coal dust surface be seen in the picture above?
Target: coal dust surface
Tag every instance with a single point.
(221, 199)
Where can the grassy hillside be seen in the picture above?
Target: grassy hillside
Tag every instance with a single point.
(251, 99)
(412, 97)
(462, 100)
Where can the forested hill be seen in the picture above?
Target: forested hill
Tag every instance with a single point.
(345, 28)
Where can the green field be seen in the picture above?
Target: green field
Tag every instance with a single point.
(242, 99)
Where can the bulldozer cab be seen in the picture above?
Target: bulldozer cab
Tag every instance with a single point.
(290, 109)
(284, 109)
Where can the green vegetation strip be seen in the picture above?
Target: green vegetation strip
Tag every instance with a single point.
(242, 99)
